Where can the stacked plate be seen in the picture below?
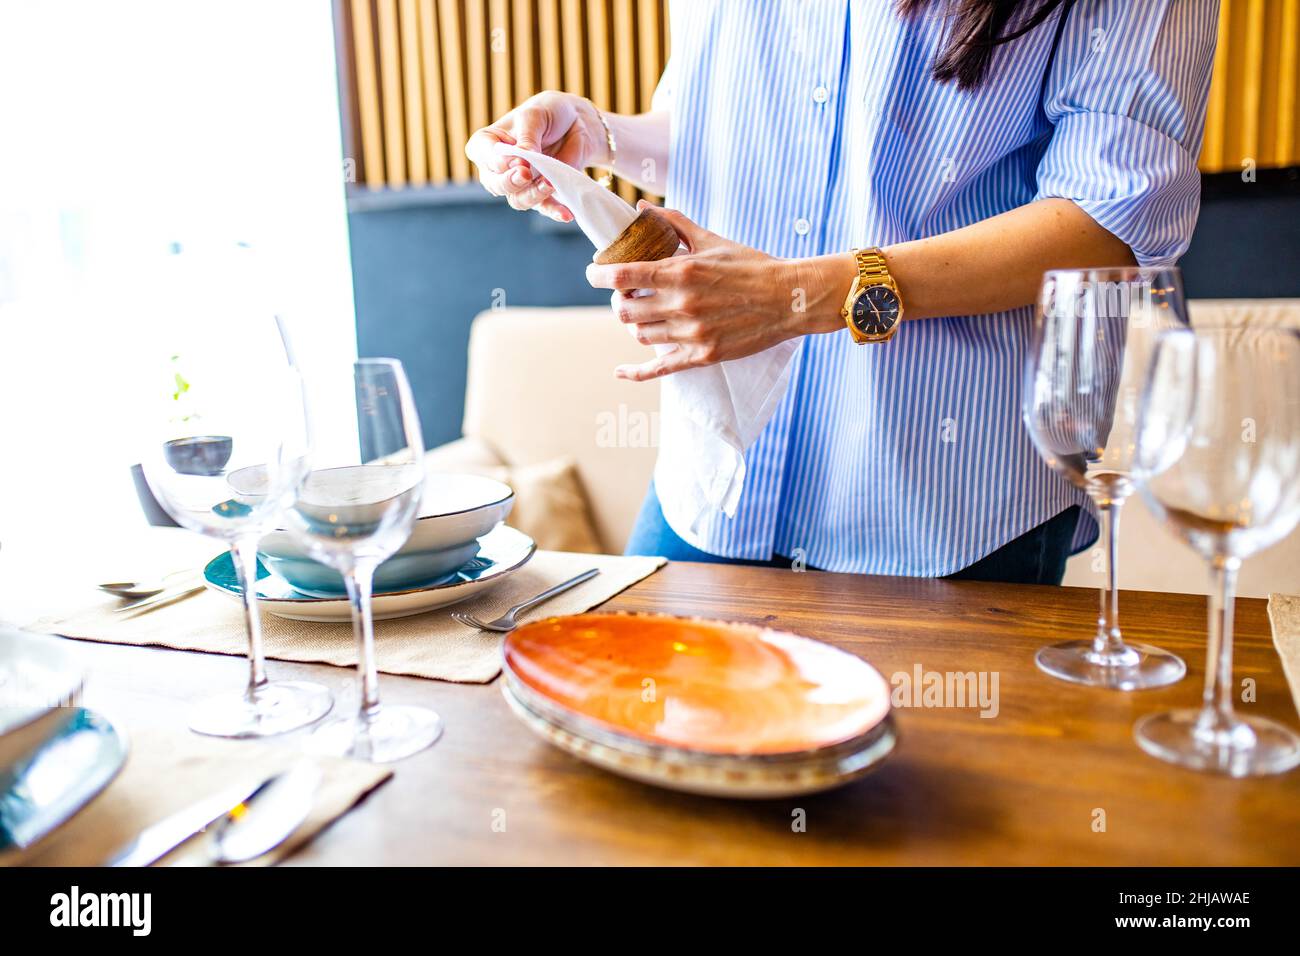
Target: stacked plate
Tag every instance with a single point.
(458, 548)
(54, 754)
(707, 707)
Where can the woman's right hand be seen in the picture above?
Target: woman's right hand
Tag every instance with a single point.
(563, 125)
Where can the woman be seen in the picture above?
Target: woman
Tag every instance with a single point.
(923, 161)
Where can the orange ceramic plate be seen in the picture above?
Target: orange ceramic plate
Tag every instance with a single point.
(698, 685)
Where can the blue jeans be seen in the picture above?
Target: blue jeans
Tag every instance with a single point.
(1036, 557)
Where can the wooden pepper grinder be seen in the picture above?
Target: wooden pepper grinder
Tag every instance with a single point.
(648, 238)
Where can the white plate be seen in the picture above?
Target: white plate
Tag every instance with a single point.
(503, 551)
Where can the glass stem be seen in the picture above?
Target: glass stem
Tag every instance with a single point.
(360, 582)
(1216, 709)
(243, 554)
(1108, 639)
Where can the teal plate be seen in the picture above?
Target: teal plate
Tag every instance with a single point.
(502, 552)
(65, 774)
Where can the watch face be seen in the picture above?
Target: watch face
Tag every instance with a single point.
(876, 310)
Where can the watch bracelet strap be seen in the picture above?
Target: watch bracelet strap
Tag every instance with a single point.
(872, 269)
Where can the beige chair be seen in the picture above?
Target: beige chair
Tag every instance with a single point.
(541, 387)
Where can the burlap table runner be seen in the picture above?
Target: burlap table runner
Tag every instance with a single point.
(167, 771)
(427, 645)
(1284, 615)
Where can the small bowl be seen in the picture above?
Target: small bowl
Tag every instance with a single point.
(458, 508)
(455, 511)
(400, 572)
(204, 455)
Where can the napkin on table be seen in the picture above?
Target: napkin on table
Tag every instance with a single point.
(193, 767)
(430, 645)
(709, 416)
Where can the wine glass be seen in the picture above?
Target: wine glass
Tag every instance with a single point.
(356, 506)
(1091, 340)
(227, 449)
(1219, 462)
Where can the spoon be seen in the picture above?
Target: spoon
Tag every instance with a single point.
(268, 816)
(142, 589)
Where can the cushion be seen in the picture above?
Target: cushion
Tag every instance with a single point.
(541, 386)
(550, 504)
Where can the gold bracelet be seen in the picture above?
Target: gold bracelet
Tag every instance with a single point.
(608, 179)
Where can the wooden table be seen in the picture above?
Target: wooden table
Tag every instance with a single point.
(1033, 785)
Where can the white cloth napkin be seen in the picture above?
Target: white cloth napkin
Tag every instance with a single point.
(709, 416)
(600, 214)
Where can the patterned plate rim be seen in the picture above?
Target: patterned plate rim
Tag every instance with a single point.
(308, 599)
(842, 762)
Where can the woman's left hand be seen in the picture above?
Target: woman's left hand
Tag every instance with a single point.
(721, 300)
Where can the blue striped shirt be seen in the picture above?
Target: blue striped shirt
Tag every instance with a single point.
(807, 128)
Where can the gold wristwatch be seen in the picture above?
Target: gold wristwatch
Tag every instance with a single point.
(874, 308)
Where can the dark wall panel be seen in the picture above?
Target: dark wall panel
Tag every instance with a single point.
(1247, 240)
(423, 270)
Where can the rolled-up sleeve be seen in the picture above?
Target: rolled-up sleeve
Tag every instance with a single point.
(1126, 95)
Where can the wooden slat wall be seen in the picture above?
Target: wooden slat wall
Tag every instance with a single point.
(391, 101)
(435, 113)
(417, 155)
(366, 96)
(423, 74)
(455, 85)
(1254, 112)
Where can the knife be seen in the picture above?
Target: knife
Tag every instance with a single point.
(157, 841)
(166, 597)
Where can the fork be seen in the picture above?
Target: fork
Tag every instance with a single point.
(506, 622)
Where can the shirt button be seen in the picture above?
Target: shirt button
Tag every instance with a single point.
(801, 226)
(820, 95)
